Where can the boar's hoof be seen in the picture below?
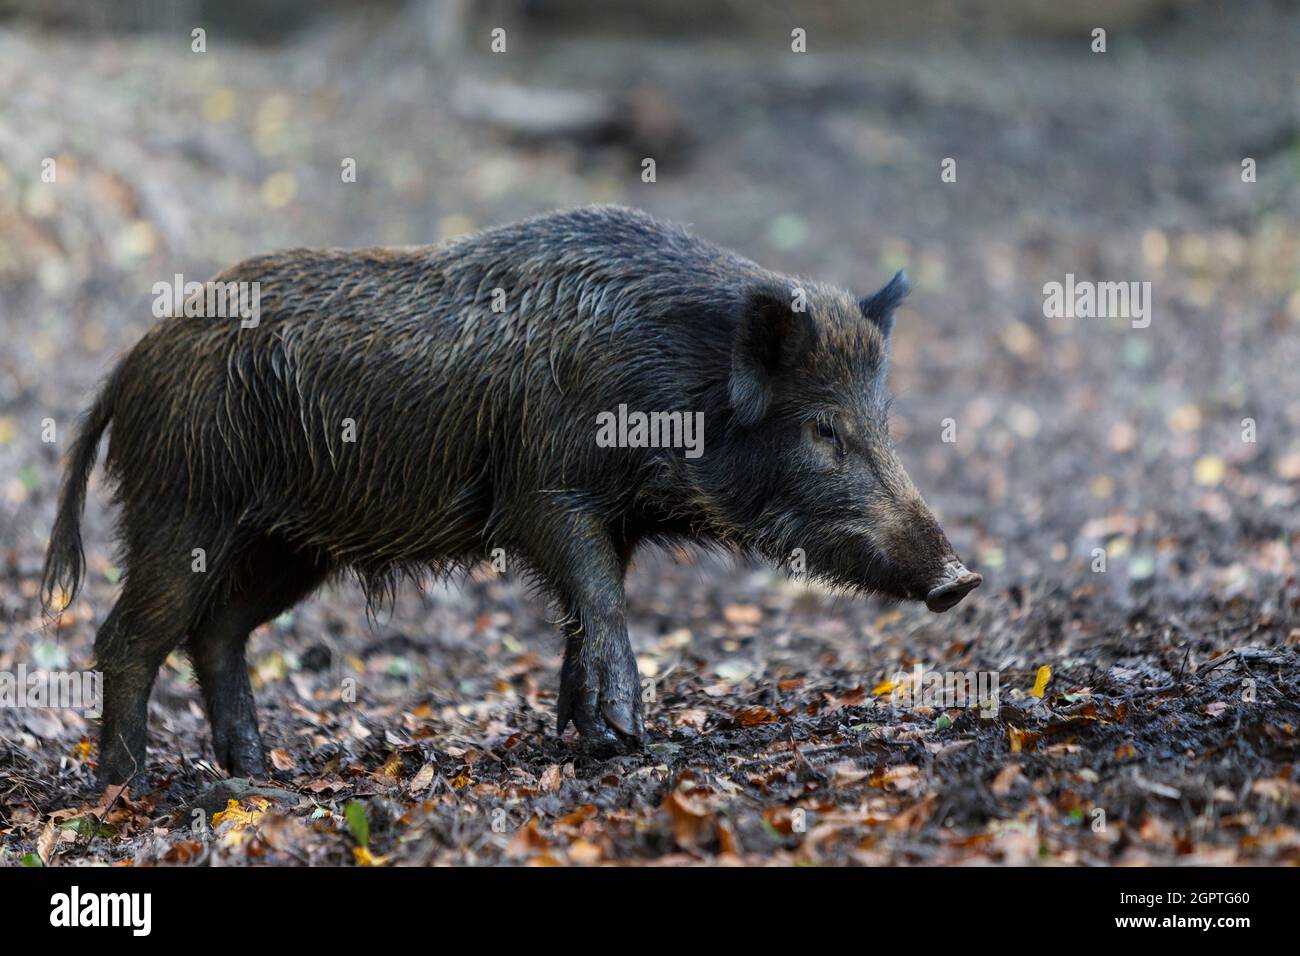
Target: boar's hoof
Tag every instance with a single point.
(957, 584)
(251, 764)
(241, 753)
(606, 709)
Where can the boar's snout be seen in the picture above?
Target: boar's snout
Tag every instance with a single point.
(924, 565)
(956, 583)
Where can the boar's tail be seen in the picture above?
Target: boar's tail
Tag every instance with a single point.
(65, 559)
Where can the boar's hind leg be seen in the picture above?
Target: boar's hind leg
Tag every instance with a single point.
(600, 689)
(146, 624)
(273, 579)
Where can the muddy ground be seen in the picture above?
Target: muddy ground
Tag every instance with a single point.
(1130, 494)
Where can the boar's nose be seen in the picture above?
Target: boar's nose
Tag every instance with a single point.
(956, 584)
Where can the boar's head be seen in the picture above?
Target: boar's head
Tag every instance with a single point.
(810, 456)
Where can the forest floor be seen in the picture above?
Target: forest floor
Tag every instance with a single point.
(1130, 494)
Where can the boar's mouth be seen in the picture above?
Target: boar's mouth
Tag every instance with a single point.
(957, 582)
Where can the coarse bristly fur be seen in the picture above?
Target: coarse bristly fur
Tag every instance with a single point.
(469, 377)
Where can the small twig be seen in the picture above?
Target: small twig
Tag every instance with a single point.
(1147, 691)
(1218, 662)
(1241, 655)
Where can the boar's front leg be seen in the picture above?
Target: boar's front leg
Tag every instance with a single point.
(600, 689)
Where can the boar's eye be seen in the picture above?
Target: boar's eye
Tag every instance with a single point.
(826, 432)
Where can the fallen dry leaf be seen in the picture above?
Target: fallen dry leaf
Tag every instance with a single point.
(690, 818)
(421, 781)
(282, 760)
(742, 614)
(1006, 777)
(1040, 682)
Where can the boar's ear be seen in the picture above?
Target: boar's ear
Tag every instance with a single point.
(879, 308)
(770, 336)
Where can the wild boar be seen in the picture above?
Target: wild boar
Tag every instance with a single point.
(399, 412)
